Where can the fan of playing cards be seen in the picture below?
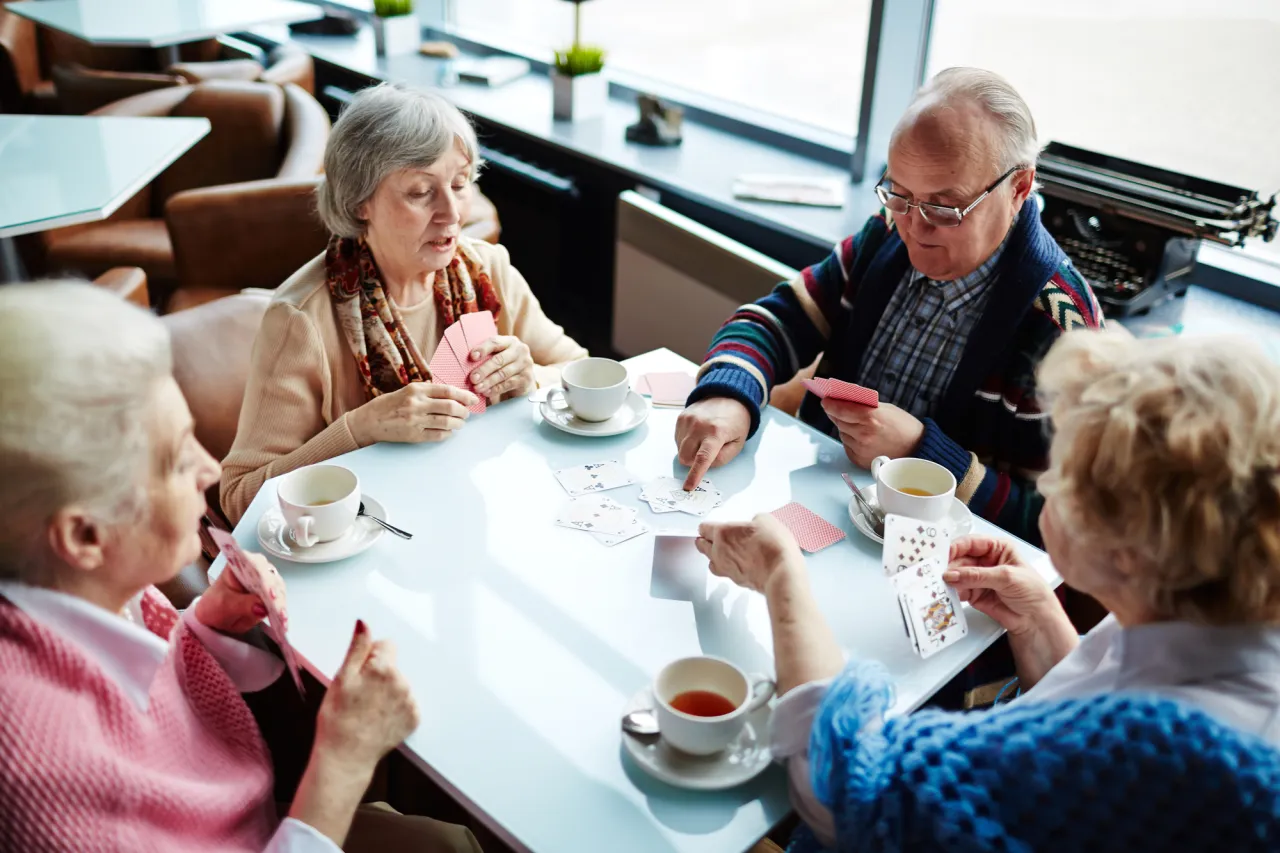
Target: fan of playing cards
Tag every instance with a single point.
(667, 494)
(452, 364)
(915, 556)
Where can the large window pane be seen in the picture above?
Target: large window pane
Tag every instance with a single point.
(800, 60)
(1187, 85)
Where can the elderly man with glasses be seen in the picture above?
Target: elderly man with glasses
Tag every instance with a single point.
(944, 303)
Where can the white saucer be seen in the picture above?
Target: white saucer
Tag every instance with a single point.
(276, 540)
(743, 760)
(959, 519)
(634, 412)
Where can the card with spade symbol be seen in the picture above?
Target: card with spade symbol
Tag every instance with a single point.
(908, 541)
(594, 477)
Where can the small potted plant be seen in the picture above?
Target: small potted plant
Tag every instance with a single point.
(395, 28)
(579, 90)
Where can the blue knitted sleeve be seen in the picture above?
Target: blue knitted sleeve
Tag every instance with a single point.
(1108, 773)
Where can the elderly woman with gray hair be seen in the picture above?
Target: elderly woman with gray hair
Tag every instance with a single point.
(338, 363)
(122, 725)
(1158, 731)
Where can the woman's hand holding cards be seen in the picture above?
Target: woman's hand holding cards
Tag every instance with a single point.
(418, 412)
(989, 574)
(230, 608)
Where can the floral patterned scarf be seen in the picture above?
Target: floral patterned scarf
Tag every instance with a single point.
(386, 355)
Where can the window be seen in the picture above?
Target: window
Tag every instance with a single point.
(801, 60)
(1187, 85)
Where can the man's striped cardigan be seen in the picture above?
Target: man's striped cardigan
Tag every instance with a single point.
(988, 429)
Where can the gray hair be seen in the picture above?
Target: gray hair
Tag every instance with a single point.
(78, 367)
(1016, 129)
(384, 129)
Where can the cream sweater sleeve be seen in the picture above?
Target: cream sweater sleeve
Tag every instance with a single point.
(282, 424)
(550, 347)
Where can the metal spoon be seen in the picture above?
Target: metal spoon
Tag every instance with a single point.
(872, 514)
(643, 723)
(396, 530)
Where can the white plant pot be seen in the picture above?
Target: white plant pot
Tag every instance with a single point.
(394, 36)
(578, 98)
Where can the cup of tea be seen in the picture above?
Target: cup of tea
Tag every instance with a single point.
(594, 389)
(319, 502)
(916, 488)
(702, 702)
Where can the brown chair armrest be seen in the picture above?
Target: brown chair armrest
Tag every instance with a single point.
(161, 102)
(252, 234)
(306, 132)
(226, 69)
(130, 283)
(291, 64)
(81, 90)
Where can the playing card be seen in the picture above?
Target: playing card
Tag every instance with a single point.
(812, 531)
(641, 386)
(670, 389)
(597, 514)
(445, 368)
(594, 477)
(908, 541)
(932, 609)
(477, 328)
(838, 389)
(634, 527)
(268, 586)
(667, 494)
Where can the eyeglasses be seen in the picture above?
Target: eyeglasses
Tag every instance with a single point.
(938, 215)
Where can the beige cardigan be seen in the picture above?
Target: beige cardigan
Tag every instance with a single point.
(303, 379)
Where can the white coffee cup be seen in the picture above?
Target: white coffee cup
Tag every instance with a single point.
(319, 502)
(594, 389)
(707, 735)
(894, 475)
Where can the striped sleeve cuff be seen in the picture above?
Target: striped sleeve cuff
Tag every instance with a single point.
(730, 380)
(937, 446)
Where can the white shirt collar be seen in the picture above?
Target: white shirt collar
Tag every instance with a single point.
(127, 652)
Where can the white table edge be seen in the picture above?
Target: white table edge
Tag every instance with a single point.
(177, 39)
(132, 189)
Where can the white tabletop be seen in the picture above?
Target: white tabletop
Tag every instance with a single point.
(523, 640)
(157, 23)
(65, 170)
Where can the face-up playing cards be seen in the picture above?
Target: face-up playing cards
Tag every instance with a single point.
(838, 389)
(601, 516)
(268, 586)
(667, 494)
(594, 477)
(915, 556)
(452, 363)
(812, 532)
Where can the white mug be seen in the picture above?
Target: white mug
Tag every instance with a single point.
(319, 502)
(699, 735)
(894, 475)
(594, 389)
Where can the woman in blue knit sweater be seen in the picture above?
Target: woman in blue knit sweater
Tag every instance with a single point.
(1156, 731)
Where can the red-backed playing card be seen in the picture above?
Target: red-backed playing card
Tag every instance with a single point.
(811, 531)
(268, 586)
(478, 327)
(838, 389)
(446, 368)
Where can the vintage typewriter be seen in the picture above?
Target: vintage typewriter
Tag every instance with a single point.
(1133, 230)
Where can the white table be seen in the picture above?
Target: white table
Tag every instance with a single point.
(523, 640)
(159, 23)
(66, 170)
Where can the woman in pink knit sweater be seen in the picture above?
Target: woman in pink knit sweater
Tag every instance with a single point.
(122, 726)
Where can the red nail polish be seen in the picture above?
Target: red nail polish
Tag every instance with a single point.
(361, 628)
(259, 611)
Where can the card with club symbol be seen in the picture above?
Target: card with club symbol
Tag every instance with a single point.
(594, 477)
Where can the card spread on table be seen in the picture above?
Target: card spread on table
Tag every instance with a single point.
(932, 610)
(908, 541)
(452, 363)
(601, 516)
(812, 532)
(667, 494)
(838, 389)
(594, 477)
(666, 389)
(268, 586)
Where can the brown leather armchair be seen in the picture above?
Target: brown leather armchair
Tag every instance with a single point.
(22, 88)
(260, 133)
(81, 89)
(129, 283)
(275, 229)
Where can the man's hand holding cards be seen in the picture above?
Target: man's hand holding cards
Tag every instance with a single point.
(914, 558)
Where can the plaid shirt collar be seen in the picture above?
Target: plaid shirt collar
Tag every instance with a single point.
(961, 292)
